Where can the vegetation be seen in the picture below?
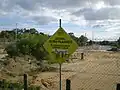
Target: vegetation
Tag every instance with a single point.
(81, 41)
(5, 85)
(30, 42)
(111, 43)
(118, 43)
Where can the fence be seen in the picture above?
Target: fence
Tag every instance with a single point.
(10, 86)
(100, 70)
(4, 85)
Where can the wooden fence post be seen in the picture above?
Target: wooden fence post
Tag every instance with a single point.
(37, 88)
(118, 87)
(68, 83)
(25, 81)
(11, 87)
(82, 56)
(3, 84)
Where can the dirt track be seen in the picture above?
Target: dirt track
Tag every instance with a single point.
(98, 71)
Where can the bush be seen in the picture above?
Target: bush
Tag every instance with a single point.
(31, 45)
(12, 50)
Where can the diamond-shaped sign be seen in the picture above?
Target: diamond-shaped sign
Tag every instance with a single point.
(60, 45)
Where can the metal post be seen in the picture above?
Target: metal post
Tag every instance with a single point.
(25, 81)
(82, 56)
(60, 77)
(60, 63)
(118, 87)
(68, 82)
(60, 23)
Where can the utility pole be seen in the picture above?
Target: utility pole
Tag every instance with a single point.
(92, 39)
(16, 32)
(85, 43)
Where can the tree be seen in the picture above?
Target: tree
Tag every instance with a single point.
(71, 34)
(30, 31)
(105, 43)
(73, 37)
(82, 40)
(12, 50)
(118, 43)
(29, 44)
(7, 35)
(33, 31)
(90, 42)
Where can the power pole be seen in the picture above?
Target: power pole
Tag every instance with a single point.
(85, 42)
(92, 39)
(16, 32)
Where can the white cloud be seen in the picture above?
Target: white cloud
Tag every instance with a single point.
(100, 5)
(102, 14)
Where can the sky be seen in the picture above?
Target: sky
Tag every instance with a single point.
(97, 19)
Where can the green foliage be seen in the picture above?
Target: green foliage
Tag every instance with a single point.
(36, 46)
(7, 35)
(33, 31)
(4, 85)
(29, 44)
(12, 50)
(90, 42)
(118, 42)
(73, 37)
(82, 40)
(16, 33)
(34, 88)
(111, 43)
(105, 43)
(23, 46)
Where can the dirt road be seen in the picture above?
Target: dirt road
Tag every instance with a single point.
(98, 71)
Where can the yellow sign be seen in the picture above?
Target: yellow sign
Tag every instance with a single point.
(60, 45)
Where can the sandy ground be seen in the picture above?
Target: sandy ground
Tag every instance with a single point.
(98, 71)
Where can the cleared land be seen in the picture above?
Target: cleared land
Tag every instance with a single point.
(99, 70)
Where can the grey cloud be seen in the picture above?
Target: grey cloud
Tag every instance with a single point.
(61, 4)
(43, 19)
(32, 6)
(28, 4)
(7, 5)
(97, 26)
(112, 2)
(54, 4)
(101, 14)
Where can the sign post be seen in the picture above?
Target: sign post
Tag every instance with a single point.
(60, 46)
(60, 77)
(60, 64)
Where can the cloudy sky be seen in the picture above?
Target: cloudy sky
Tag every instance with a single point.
(97, 19)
